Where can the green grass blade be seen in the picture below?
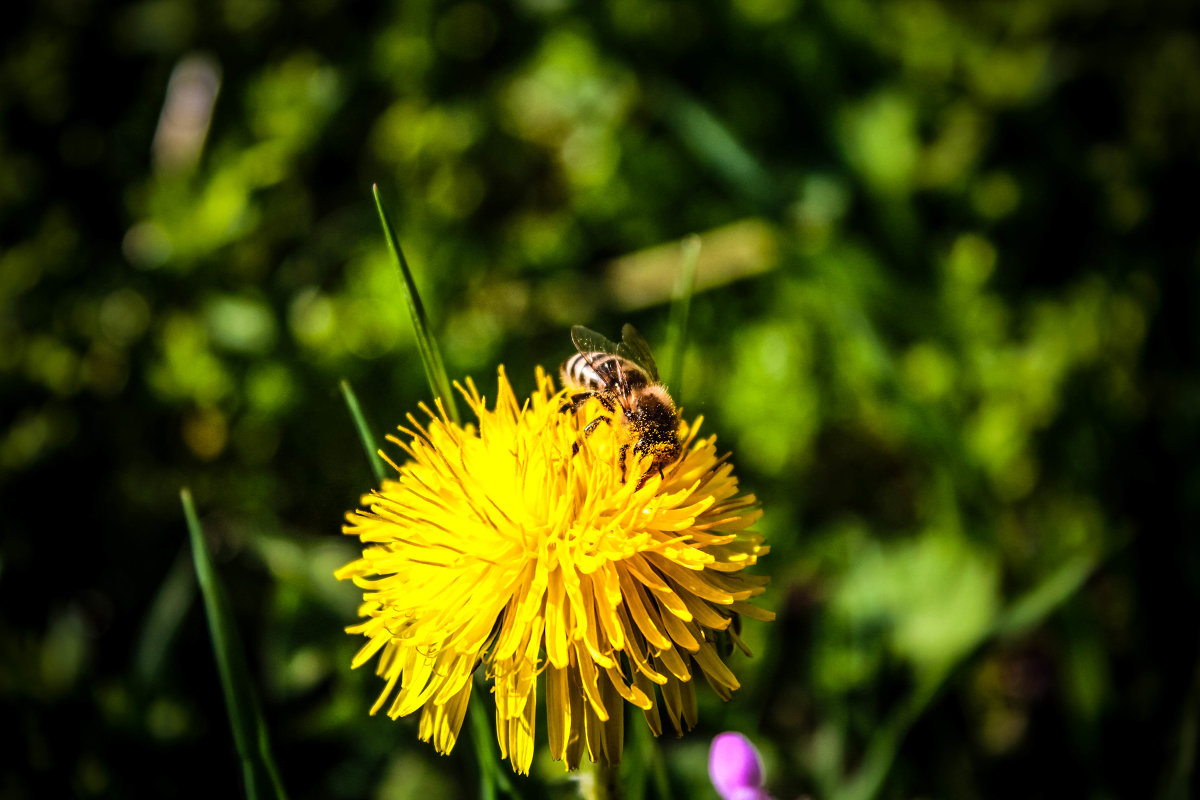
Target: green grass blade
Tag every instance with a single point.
(715, 145)
(259, 772)
(678, 322)
(431, 357)
(166, 613)
(492, 776)
(364, 431)
(1037, 604)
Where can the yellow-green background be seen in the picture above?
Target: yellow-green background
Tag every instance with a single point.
(946, 325)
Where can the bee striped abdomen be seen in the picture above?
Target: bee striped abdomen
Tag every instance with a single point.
(600, 372)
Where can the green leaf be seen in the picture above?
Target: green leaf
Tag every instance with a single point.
(431, 357)
(259, 773)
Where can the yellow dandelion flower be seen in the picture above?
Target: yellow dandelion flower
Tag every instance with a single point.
(520, 545)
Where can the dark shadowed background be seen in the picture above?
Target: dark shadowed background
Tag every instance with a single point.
(945, 321)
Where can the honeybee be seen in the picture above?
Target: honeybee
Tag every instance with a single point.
(624, 376)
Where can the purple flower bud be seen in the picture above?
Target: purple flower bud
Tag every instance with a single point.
(735, 768)
(748, 793)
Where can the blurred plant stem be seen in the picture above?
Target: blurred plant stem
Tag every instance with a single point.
(644, 766)
(715, 145)
(605, 781)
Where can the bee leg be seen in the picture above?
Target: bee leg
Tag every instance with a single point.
(591, 426)
(624, 450)
(574, 402)
(587, 431)
(579, 399)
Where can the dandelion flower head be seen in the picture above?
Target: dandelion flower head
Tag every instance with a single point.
(519, 543)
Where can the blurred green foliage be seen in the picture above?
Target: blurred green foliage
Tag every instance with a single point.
(945, 321)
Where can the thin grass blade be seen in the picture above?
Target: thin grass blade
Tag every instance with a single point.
(166, 613)
(1051, 593)
(259, 773)
(492, 776)
(364, 431)
(431, 357)
(680, 309)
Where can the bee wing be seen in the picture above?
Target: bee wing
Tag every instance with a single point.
(633, 346)
(589, 341)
